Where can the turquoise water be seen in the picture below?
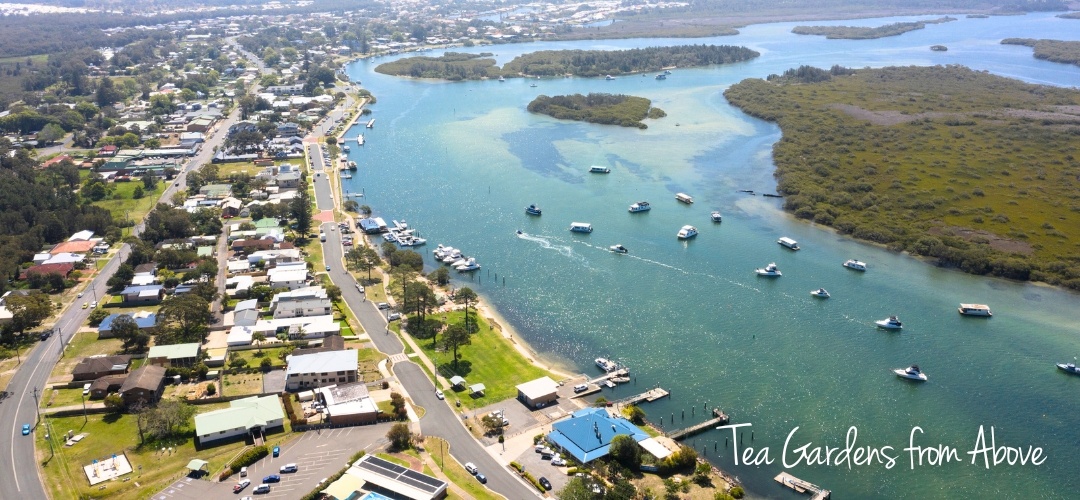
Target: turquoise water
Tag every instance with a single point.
(460, 161)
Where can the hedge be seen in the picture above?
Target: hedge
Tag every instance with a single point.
(533, 481)
(249, 457)
(317, 492)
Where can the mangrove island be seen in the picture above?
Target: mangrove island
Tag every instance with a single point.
(864, 33)
(607, 109)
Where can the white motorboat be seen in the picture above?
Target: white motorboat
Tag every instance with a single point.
(345, 149)
(890, 323)
(618, 249)
(609, 77)
(717, 217)
(770, 270)
(460, 262)
(911, 373)
(606, 364)
(855, 264)
(469, 265)
(975, 310)
(501, 78)
(453, 256)
(412, 241)
(444, 252)
(687, 232)
(641, 206)
(596, 169)
(1069, 368)
(821, 293)
(533, 210)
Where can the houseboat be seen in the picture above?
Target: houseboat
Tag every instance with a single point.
(596, 169)
(581, 227)
(641, 206)
(788, 242)
(685, 198)
(975, 310)
(371, 123)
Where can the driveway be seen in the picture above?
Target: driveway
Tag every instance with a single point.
(274, 381)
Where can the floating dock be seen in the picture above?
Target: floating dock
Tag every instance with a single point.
(719, 418)
(648, 397)
(801, 486)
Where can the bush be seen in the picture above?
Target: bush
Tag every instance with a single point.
(248, 457)
(518, 467)
(737, 492)
(211, 389)
(266, 364)
(533, 480)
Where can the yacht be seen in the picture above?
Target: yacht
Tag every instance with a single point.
(911, 373)
(661, 76)
(788, 243)
(532, 210)
(641, 206)
(685, 198)
(890, 323)
(606, 364)
(1069, 368)
(360, 139)
(442, 251)
(501, 78)
(469, 265)
(596, 169)
(609, 77)
(716, 217)
(975, 310)
(581, 227)
(769, 270)
(820, 292)
(345, 149)
(452, 256)
(618, 249)
(412, 241)
(855, 264)
(687, 232)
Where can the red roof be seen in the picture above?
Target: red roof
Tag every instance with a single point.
(80, 246)
(61, 269)
(55, 160)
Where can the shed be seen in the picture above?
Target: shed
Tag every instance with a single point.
(538, 393)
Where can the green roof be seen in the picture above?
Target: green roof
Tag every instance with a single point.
(250, 412)
(205, 251)
(175, 351)
(266, 222)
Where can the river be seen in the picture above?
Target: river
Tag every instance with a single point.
(460, 161)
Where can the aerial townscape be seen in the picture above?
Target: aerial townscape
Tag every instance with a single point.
(381, 249)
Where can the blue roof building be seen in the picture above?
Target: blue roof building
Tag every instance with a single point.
(587, 434)
(142, 318)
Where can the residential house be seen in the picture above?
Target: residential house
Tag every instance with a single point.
(108, 151)
(144, 385)
(174, 355)
(246, 246)
(230, 207)
(320, 369)
(587, 434)
(145, 320)
(288, 276)
(216, 191)
(73, 247)
(279, 90)
(307, 301)
(103, 386)
(144, 294)
(47, 269)
(288, 129)
(248, 416)
(95, 367)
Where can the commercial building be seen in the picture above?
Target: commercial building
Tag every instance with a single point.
(320, 369)
(254, 415)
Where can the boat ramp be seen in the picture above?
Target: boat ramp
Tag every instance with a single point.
(801, 486)
(719, 418)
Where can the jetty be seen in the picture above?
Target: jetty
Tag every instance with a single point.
(371, 123)
(817, 492)
(620, 373)
(647, 397)
(719, 418)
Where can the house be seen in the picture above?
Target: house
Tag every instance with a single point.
(65, 258)
(230, 207)
(291, 277)
(239, 335)
(216, 191)
(144, 294)
(349, 404)
(73, 246)
(95, 367)
(274, 258)
(103, 386)
(307, 327)
(390, 480)
(322, 368)
(246, 246)
(201, 124)
(47, 269)
(328, 343)
(307, 301)
(144, 385)
(108, 151)
(145, 320)
(285, 89)
(587, 434)
(248, 317)
(288, 129)
(174, 355)
(248, 416)
(84, 235)
(538, 393)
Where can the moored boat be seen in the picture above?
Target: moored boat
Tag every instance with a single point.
(911, 373)
(821, 293)
(717, 217)
(469, 265)
(890, 323)
(606, 364)
(641, 206)
(598, 169)
(770, 270)
(975, 310)
(685, 198)
(533, 210)
(855, 264)
(580, 227)
(788, 243)
(687, 232)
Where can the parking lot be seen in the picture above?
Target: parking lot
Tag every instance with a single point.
(318, 455)
(540, 467)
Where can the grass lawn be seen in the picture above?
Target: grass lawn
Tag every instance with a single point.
(227, 169)
(253, 358)
(489, 359)
(109, 434)
(242, 384)
(56, 398)
(440, 452)
(123, 206)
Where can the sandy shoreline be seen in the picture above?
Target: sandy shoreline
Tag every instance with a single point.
(511, 335)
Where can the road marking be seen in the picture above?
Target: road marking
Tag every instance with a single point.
(17, 409)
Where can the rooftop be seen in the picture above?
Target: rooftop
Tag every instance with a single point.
(175, 351)
(538, 388)
(322, 362)
(250, 412)
(587, 434)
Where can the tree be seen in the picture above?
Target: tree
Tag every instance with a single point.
(492, 424)
(300, 209)
(28, 311)
(127, 330)
(620, 490)
(576, 489)
(258, 338)
(211, 389)
(635, 414)
(441, 276)
(626, 451)
(400, 436)
(454, 337)
(183, 318)
(114, 403)
(468, 295)
(50, 134)
(333, 292)
(97, 316)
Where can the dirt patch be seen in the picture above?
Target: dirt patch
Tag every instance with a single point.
(996, 242)
(885, 118)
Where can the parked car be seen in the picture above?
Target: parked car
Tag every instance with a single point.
(439, 394)
(471, 468)
(558, 461)
(262, 488)
(383, 305)
(289, 468)
(545, 483)
(272, 478)
(241, 485)
(359, 288)
(393, 316)
(277, 451)
(482, 478)
(243, 472)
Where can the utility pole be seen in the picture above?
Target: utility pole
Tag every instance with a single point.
(37, 406)
(85, 419)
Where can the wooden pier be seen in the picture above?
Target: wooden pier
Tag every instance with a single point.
(648, 397)
(719, 418)
(801, 486)
(621, 372)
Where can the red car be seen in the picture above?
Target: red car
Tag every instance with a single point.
(241, 485)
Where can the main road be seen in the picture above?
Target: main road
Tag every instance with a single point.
(440, 419)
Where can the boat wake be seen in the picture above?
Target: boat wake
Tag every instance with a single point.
(674, 268)
(546, 242)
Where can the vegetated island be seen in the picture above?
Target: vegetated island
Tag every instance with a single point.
(1070, 15)
(863, 33)
(938, 48)
(974, 170)
(607, 109)
(587, 63)
(1050, 50)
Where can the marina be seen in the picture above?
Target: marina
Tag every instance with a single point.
(816, 492)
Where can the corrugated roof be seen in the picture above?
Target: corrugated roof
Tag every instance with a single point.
(587, 435)
(538, 388)
(250, 412)
(175, 351)
(322, 362)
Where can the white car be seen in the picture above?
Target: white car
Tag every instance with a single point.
(471, 468)
(439, 394)
(393, 316)
(558, 461)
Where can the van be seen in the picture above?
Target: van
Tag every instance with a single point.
(581, 388)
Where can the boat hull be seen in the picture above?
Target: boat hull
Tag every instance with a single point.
(902, 373)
